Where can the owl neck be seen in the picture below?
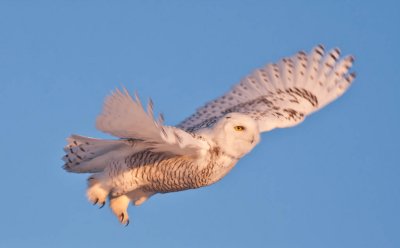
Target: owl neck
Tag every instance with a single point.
(220, 164)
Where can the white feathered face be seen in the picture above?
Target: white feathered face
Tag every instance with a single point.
(236, 134)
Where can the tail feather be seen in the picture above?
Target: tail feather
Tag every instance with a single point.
(86, 155)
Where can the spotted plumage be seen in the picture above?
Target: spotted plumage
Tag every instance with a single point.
(151, 158)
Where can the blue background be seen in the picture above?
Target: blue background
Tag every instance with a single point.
(332, 181)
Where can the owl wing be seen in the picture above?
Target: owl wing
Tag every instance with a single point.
(126, 118)
(282, 94)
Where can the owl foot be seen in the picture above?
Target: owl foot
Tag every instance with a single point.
(119, 206)
(97, 195)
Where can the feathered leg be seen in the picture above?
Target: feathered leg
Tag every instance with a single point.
(119, 204)
(97, 192)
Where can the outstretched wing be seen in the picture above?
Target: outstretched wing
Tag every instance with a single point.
(126, 118)
(282, 94)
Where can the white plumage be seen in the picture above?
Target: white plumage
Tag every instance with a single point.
(152, 158)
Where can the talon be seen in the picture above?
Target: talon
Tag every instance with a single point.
(95, 202)
(102, 205)
(127, 223)
(122, 216)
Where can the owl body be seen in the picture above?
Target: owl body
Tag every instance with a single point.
(151, 158)
(163, 174)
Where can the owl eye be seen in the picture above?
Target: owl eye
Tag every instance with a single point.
(239, 128)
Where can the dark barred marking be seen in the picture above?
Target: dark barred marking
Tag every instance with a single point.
(178, 138)
(304, 94)
(293, 114)
(263, 104)
(333, 56)
(164, 173)
(319, 52)
(329, 65)
(206, 123)
(246, 105)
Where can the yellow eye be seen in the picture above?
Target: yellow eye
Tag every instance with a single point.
(239, 128)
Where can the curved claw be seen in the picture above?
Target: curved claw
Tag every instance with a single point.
(96, 201)
(122, 218)
(102, 205)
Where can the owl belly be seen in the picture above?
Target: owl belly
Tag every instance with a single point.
(182, 174)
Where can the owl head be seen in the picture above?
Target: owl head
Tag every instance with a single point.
(236, 134)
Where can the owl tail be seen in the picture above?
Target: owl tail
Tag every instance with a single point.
(88, 155)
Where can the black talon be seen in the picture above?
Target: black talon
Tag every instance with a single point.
(95, 202)
(127, 223)
(102, 205)
(122, 216)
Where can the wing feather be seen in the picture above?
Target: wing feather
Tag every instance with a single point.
(125, 117)
(282, 94)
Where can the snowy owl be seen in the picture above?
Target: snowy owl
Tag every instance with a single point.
(150, 157)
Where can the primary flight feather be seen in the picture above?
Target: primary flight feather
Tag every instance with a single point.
(151, 158)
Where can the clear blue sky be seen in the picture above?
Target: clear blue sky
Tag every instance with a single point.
(332, 181)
